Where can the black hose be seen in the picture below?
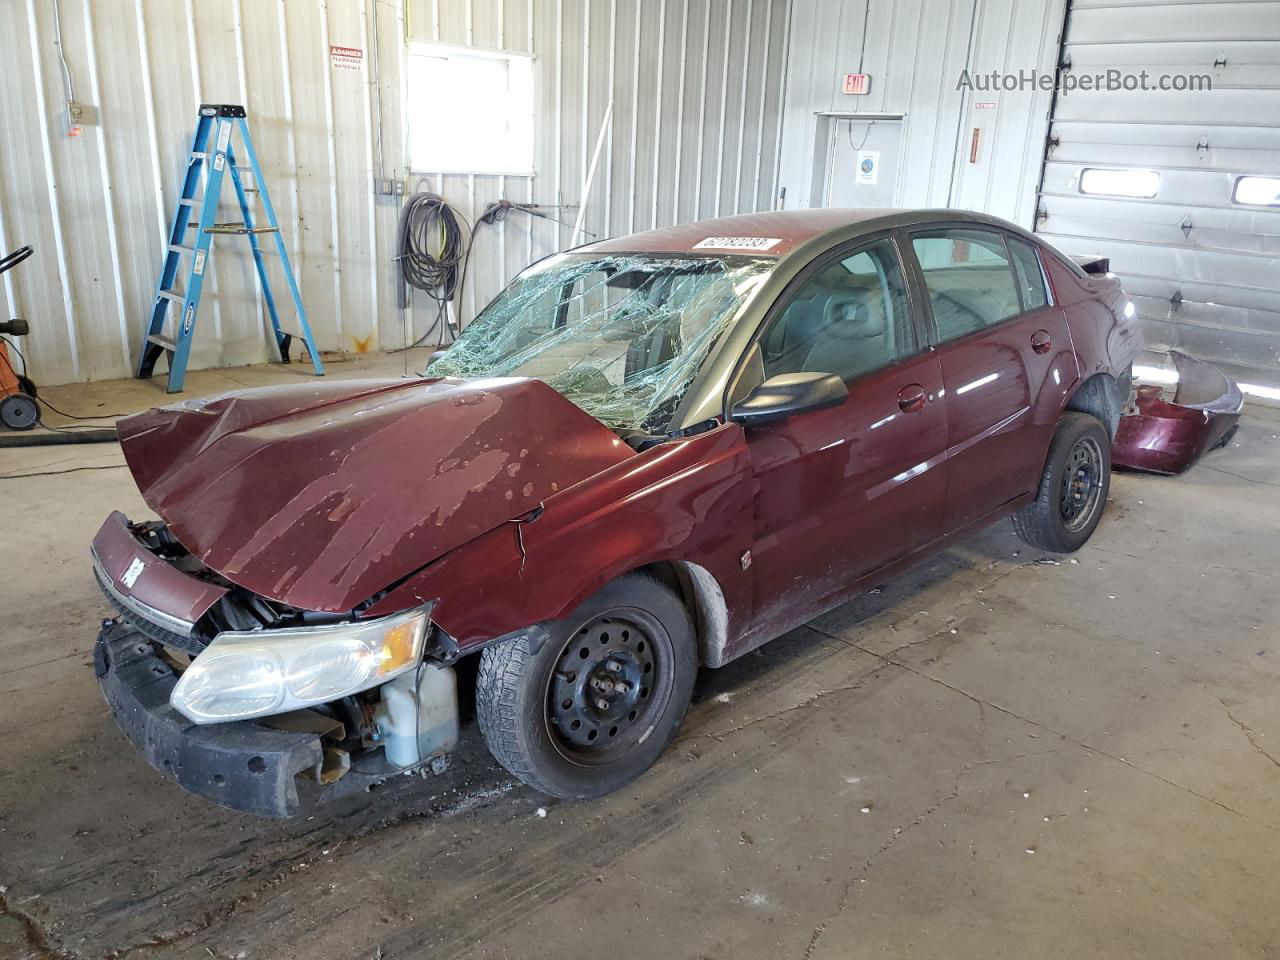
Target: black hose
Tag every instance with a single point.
(102, 435)
(431, 243)
(29, 389)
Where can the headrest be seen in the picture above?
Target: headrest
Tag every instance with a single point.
(854, 314)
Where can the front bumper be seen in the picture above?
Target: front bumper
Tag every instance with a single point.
(243, 765)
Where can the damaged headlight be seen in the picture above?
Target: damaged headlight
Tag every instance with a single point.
(262, 672)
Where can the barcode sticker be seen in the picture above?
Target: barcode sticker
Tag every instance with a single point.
(737, 243)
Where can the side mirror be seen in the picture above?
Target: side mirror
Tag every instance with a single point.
(435, 355)
(788, 394)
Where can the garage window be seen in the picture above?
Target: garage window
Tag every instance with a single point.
(470, 111)
(1257, 191)
(1120, 183)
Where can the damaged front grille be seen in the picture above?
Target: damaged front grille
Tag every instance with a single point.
(193, 644)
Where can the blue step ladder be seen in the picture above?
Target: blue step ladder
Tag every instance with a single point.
(211, 151)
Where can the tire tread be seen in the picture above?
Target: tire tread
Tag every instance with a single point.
(502, 707)
(1037, 523)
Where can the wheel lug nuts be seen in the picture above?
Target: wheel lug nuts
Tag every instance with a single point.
(602, 704)
(613, 666)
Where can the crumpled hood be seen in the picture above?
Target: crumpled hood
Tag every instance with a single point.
(320, 495)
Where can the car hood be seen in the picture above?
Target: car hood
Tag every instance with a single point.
(320, 495)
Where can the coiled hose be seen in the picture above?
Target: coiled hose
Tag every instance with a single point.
(431, 243)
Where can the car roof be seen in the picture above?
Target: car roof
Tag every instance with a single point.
(788, 229)
(774, 233)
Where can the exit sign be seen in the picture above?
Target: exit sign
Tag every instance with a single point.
(857, 83)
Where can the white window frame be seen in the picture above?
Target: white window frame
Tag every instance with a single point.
(522, 114)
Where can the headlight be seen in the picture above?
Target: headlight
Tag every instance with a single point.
(261, 672)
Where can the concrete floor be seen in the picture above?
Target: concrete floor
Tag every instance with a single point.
(998, 754)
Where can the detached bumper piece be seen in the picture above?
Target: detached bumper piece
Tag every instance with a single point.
(242, 765)
(1168, 436)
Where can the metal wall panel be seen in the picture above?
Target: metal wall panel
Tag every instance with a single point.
(915, 52)
(696, 86)
(96, 208)
(1201, 270)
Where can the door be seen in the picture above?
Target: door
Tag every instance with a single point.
(840, 492)
(863, 170)
(1006, 363)
(1178, 183)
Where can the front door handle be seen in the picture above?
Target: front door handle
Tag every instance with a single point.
(912, 398)
(1041, 341)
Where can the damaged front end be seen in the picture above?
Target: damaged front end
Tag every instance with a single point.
(1166, 435)
(253, 704)
(245, 662)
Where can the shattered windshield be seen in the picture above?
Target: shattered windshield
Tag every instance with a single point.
(622, 335)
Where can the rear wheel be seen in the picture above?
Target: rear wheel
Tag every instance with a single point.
(594, 706)
(1073, 488)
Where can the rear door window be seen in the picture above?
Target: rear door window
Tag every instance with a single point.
(1026, 263)
(969, 277)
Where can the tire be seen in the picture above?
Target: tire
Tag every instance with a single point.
(600, 698)
(1073, 488)
(19, 412)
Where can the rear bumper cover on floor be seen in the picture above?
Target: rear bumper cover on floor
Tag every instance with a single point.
(1163, 436)
(242, 765)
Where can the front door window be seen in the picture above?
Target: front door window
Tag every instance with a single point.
(849, 318)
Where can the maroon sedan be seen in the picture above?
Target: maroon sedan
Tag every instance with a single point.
(647, 454)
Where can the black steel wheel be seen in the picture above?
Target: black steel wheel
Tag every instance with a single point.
(613, 675)
(1081, 483)
(1073, 487)
(582, 706)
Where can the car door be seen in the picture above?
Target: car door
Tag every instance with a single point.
(842, 491)
(1006, 363)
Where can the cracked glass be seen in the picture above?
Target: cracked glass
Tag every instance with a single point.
(621, 336)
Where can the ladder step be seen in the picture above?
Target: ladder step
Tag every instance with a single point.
(239, 228)
(187, 202)
(171, 295)
(180, 248)
(162, 341)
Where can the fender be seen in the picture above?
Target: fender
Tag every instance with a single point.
(687, 501)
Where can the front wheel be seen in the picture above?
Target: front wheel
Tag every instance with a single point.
(592, 707)
(1073, 488)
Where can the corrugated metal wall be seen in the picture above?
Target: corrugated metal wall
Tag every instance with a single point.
(915, 51)
(696, 86)
(96, 207)
(1201, 269)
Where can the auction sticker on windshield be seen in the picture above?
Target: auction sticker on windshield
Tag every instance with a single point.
(737, 243)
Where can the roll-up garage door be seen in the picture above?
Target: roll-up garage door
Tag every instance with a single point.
(1179, 187)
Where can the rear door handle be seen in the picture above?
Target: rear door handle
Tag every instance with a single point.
(912, 398)
(1041, 341)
